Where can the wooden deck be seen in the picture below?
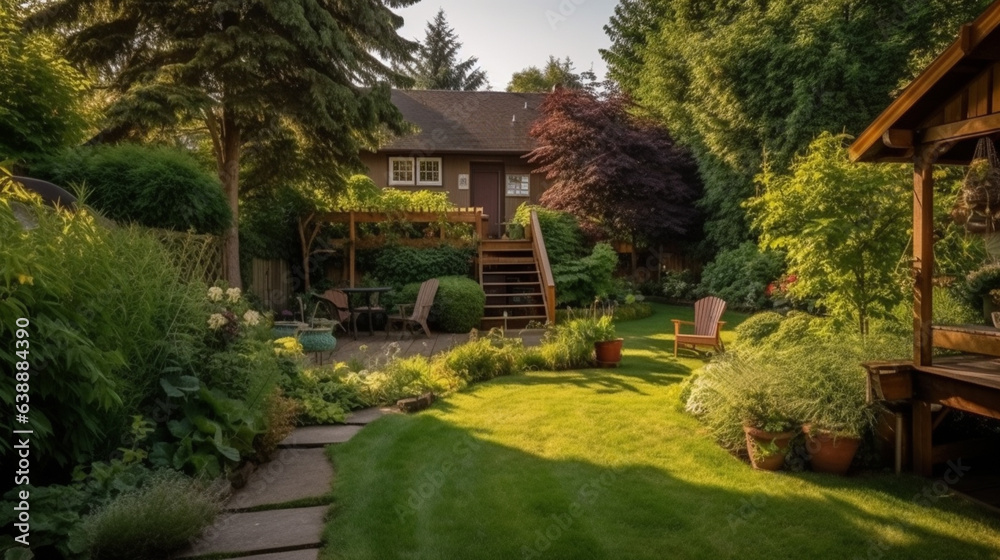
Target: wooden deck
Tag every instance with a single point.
(970, 383)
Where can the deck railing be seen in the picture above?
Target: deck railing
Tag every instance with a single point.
(544, 269)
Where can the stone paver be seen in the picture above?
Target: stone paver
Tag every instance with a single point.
(366, 416)
(292, 474)
(319, 436)
(262, 531)
(307, 554)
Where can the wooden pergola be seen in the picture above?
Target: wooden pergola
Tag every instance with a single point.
(939, 118)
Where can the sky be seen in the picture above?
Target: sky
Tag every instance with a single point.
(510, 35)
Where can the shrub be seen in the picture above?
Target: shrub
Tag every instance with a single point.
(323, 394)
(400, 378)
(459, 303)
(758, 327)
(679, 285)
(570, 344)
(580, 281)
(484, 358)
(280, 415)
(397, 266)
(153, 186)
(153, 521)
(563, 239)
(741, 275)
(108, 312)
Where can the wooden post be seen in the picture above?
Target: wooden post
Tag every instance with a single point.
(353, 238)
(923, 255)
(923, 445)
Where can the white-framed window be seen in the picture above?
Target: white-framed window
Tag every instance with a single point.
(519, 185)
(429, 171)
(401, 171)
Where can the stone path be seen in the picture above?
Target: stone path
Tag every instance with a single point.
(300, 470)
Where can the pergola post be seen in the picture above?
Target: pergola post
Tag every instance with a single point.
(353, 239)
(923, 255)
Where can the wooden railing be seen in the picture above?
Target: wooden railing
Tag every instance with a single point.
(544, 269)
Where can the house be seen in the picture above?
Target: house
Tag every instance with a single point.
(470, 144)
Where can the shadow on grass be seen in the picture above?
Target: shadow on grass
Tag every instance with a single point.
(418, 487)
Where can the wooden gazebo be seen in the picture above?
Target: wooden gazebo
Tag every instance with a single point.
(939, 118)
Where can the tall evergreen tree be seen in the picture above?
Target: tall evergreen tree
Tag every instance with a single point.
(633, 22)
(555, 73)
(245, 70)
(737, 81)
(436, 64)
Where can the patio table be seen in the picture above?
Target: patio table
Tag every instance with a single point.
(368, 310)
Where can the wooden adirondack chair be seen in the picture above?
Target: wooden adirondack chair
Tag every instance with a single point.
(336, 301)
(425, 299)
(707, 312)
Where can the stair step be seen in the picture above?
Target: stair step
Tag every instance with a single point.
(515, 294)
(490, 260)
(510, 272)
(501, 244)
(528, 283)
(515, 306)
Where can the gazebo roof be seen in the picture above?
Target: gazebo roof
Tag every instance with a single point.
(956, 98)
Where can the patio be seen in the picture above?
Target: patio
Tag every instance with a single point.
(348, 348)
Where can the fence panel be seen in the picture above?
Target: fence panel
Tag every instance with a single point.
(271, 282)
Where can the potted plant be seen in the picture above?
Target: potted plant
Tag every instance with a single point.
(768, 430)
(835, 413)
(607, 346)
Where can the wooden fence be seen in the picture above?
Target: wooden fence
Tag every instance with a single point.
(272, 282)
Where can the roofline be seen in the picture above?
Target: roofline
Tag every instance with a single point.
(969, 37)
(407, 151)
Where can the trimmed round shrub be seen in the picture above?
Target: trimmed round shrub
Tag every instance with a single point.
(153, 186)
(458, 305)
(758, 327)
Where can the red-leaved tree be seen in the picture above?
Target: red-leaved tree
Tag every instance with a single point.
(620, 173)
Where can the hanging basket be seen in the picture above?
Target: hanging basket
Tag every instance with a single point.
(981, 187)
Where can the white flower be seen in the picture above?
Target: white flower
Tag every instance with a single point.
(251, 318)
(233, 294)
(216, 320)
(215, 293)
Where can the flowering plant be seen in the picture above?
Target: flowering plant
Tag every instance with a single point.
(232, 315)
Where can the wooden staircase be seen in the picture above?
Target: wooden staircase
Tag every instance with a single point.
(510, 276)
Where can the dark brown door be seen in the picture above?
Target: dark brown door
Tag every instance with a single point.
(485, 190)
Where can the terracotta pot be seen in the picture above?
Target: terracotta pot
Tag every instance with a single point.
(609, 352)
(830, 453)
(760, 439)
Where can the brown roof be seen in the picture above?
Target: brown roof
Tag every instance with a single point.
(977, 48)
(466, 121)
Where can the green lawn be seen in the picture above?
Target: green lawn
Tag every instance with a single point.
(604, 464)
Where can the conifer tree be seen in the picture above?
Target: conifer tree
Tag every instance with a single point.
(243, 70)
(436, 64)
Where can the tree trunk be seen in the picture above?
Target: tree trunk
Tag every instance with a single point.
(229, 174)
